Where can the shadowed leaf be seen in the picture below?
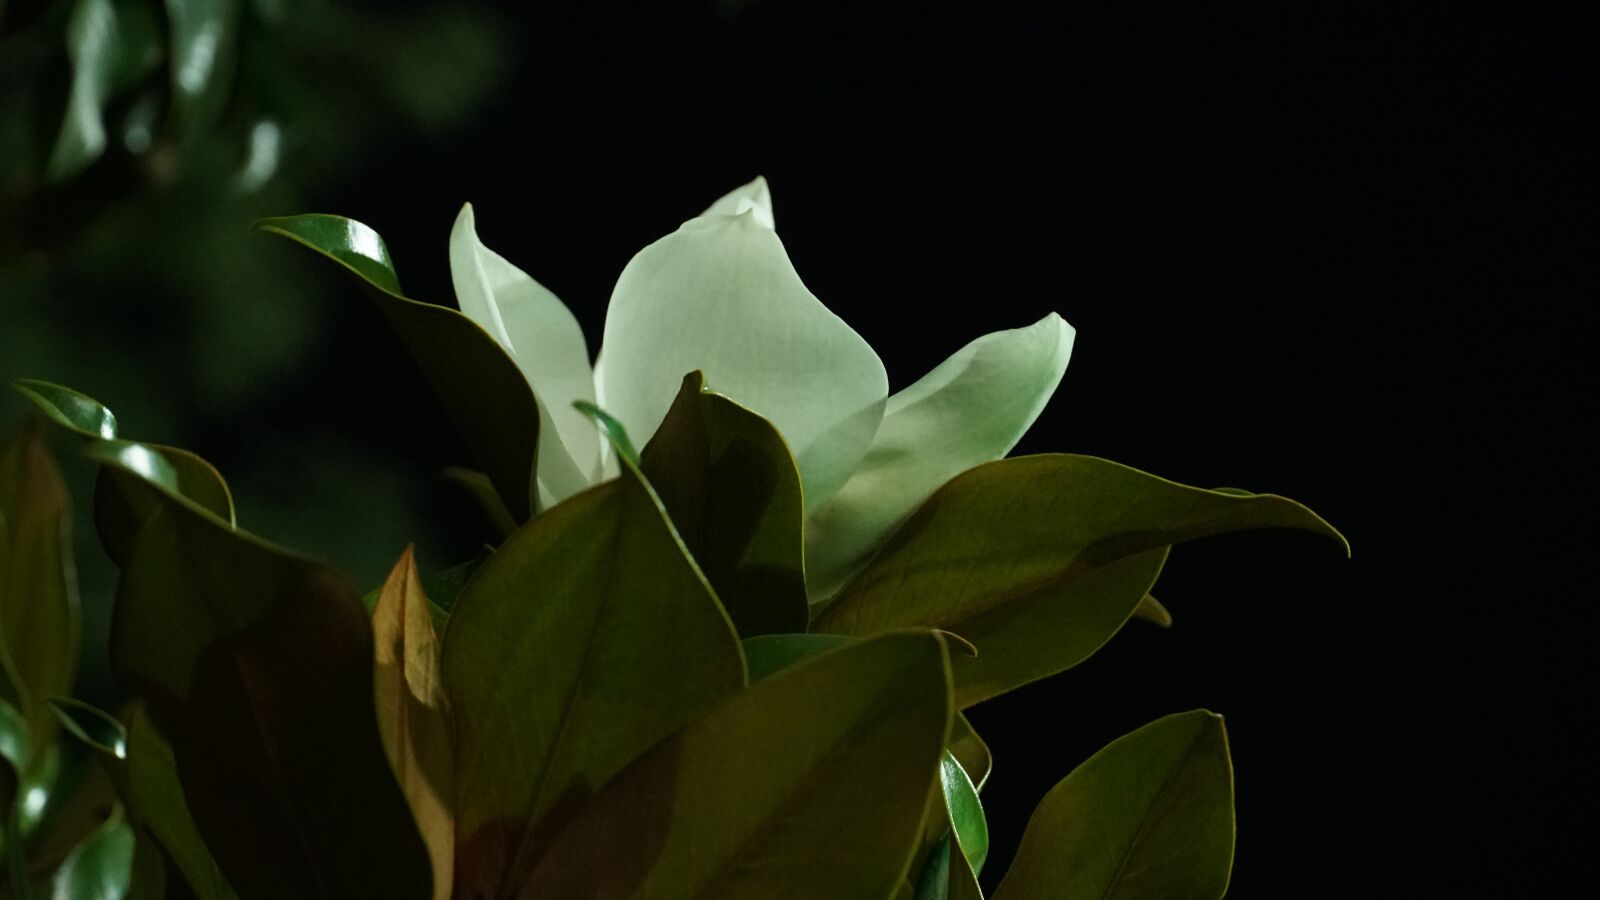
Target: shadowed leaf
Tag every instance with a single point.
(412, 714)
(586, 638)
(482, 389)
(811, 783)
(98, 868)
(1150, 817)
(39, 618)
(730, 484)
(257, 664)
(1038, 561)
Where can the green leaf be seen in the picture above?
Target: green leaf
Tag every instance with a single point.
(39, 617)
(1150, 817)
(481, 387)
(934, 882)
(70, 409)
(98, 868)
(615, 432)
(1151, 610)
(118, 512)
(769, 653)
(413, 717)
(481, 490)
(257, 663)
(153, 795)
(91, 725)
(970, 750)
(733, 492)
(1038, 561)
(811, 783)
(122, 505)
(585, 639)
(111, 45)
(965, 810)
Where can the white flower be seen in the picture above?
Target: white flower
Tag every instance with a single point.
(720, 295)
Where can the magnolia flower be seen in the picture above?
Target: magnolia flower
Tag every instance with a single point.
(720, 295)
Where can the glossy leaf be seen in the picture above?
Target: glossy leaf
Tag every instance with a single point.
(99, 868)
(811, 783)
(39, 617)
(1150, 817)
(585, 639)
(1039, 560)
(91, 725)
(412, 712)
(118, 512)
(934, 882)
(965, 810)
(70, 409)
(111, 45)
(257, 664)
(733, 492)
(481, 387)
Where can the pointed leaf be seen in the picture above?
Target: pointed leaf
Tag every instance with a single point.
(68, 408)
(91, 725)
(117, 513)
(412, 715)
(258, 664)
(1150, 817)
(481, 490)
(970, 750)
(481, 387)
(39, 618)
(971, 409)
(720, 295)
(585, 639)
(1038, 561)
(98, 869)
(965, 810)
(733, 492)
(1151, 610)
(811, 783)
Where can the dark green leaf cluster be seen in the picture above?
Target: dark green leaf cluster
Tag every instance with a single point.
(630, 697)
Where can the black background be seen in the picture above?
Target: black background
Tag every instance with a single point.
(1345, 255)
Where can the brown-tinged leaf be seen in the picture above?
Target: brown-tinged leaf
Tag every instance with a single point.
(413, 715)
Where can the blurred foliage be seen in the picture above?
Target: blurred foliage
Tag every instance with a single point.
(138, 138)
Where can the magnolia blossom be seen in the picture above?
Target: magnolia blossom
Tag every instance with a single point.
(720, 295)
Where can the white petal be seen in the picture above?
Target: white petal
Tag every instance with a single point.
(540, 333)
(971, 409)
(754, 196)
(720, 295)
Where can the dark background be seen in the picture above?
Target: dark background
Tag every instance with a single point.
(1345, 255)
